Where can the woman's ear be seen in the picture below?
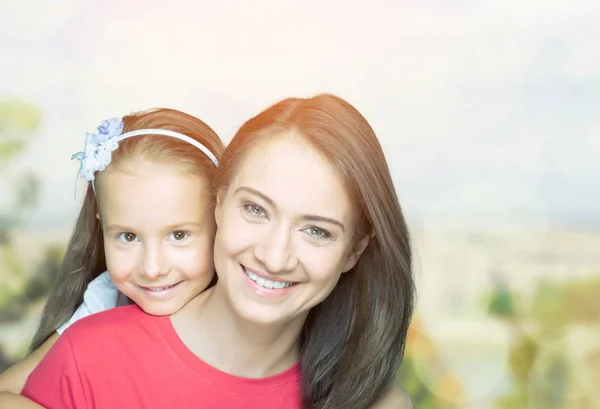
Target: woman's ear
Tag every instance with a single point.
(357, 251)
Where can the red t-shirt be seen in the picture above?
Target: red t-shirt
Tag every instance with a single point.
(124, 358)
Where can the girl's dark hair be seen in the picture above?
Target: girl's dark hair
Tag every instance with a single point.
(84, 259)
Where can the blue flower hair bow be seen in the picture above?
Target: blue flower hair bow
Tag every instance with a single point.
(98, 148)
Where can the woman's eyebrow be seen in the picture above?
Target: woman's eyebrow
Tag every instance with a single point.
(309, 217)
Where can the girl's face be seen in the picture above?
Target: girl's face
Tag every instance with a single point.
(158, 234)
(285, 233)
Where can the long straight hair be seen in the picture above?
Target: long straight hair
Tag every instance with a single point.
(84, 258)
(352, 343)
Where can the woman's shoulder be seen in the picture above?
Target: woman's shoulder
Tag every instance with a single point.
(395, 398)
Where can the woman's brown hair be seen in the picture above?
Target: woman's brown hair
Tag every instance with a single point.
(352, 343)
(84, 259)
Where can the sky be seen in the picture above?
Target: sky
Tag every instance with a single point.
(488, 111)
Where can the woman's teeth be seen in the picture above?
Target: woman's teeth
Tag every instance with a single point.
(266, 283)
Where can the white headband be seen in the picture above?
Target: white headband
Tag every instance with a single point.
(99, 146)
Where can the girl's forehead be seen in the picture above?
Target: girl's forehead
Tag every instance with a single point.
(141, 189)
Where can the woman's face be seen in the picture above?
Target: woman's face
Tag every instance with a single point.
(285, 233)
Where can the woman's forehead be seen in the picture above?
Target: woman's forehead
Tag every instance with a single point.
(293, 174)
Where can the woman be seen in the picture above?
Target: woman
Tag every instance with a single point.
(314, 293)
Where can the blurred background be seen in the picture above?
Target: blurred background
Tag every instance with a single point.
(488, 112)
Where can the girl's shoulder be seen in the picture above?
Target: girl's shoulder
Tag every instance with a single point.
(103, 281)
(100, 295)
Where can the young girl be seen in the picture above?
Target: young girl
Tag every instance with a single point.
(147, 219)
(314, 296)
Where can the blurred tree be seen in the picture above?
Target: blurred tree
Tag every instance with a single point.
(501, 301)
(553, 309)
(4, 361)
(575, 302)
(20, 285)
(421, 351)
(13, 306)
(19, 189)
(18, 122)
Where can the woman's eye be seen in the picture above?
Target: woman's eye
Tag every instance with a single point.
(254, 210)
(127, 237)
(318, 233)
(179, 235)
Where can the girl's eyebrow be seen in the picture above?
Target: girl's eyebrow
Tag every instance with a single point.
(118, 227)
(174, 226)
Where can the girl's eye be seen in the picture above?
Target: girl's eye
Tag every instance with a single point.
(179, 235)
(317, 233)
(254, 210)
(127, 237)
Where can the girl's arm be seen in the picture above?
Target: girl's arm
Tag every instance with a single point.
(12, 401)
(100, 295)
(13, 379)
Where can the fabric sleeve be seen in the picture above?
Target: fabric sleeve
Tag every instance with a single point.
(100, 295)
(56, 382)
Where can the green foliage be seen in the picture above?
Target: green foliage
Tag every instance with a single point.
(556, 305)
(501, 303)
(19, 115)
(44, 274)
(11, 261)
(18, 121)
(13, 304)
(419, 392)
(552, 308)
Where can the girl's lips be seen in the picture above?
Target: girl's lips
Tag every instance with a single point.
(161, 292)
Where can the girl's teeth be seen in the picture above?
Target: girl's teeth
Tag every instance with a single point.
(266, 283)
(159, 288)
